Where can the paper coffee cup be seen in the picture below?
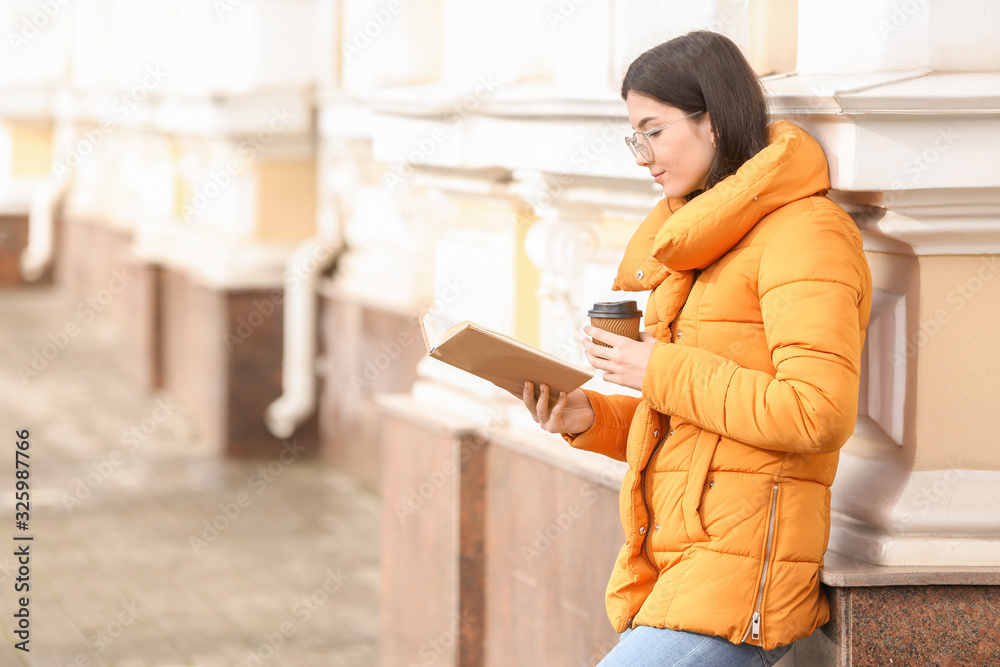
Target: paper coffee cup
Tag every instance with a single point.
(618, 317)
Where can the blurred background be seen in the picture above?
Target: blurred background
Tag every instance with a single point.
(221, 219)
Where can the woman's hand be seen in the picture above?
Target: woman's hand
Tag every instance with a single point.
(625, 361)
(572, 413)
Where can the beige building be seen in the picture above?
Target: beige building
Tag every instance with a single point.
(292, 183)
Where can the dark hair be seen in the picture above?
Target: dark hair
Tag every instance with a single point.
(704, 71)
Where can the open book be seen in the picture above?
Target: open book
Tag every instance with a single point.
(500, 359)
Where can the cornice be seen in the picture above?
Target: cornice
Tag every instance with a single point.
(921, 92)
(204, 115)
(212, 259)
(27, 103)
(937, 222)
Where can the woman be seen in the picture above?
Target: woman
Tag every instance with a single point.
(749, 370)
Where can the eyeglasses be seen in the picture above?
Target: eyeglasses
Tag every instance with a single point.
(639, 141)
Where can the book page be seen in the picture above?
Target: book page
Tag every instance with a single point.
(434, 326)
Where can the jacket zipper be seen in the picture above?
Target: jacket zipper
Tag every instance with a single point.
(754, 630)
(645, 501)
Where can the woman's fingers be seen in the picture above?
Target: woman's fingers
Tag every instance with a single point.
(612, 339)
(550, 419)
(598, 356)
(555, 416)
(528, 396)
(623, 364)
(539, 408)
(542, 407)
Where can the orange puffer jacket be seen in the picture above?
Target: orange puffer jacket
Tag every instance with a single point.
(749, 394)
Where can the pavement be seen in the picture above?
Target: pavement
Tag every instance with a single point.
(148, 548)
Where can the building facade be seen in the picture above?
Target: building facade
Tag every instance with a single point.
(278, 189)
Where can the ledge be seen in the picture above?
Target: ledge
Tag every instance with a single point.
(916, 92)
(487, 98)
(16, 194)
(936, 93)
(330, 288)
(552, 449)
(822, 93)
(912, 92)
(23, 102)
(213, 259)
(840, 571)
(289, 111)
(545, 447)
(402, 406)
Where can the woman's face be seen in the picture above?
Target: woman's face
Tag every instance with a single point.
(682, 153)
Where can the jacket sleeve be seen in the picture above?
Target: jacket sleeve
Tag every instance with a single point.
(612, 418)
(815, 297)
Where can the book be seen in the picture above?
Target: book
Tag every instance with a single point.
(502, 360)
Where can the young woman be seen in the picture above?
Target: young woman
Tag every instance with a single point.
(748, 368)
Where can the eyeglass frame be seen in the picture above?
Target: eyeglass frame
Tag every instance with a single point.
(633, 141)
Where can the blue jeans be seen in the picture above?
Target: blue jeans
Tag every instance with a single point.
(644, 646)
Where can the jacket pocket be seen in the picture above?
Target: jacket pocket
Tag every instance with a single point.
(701, 462)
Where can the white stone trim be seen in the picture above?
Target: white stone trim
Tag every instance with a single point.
(885, 364)
(876, 242)
(945, 221)
(225, 116)
(459, 393)
(214, 260)
(504, 421)
(935, 93)
(959, 232)
(918, 550)
(908, 93)
(490, 184)
(885, 514)
(27, 103)
(16, 194)
(343, 117)
(331, 288)
(810, 94)
(525, 437)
